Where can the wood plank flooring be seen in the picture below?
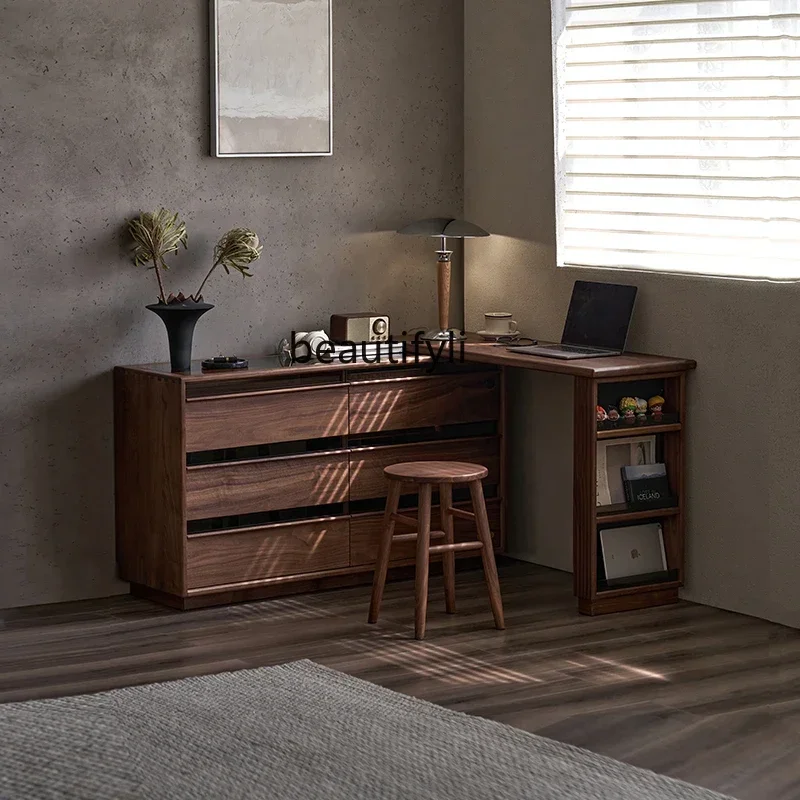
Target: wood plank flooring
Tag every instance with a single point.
(693, 692)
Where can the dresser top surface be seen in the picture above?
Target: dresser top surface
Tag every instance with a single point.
(627, 364)
(263, 368)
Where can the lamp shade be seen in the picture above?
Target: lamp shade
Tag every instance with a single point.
(444, 226)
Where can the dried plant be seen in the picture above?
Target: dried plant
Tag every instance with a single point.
(236, 250)
(156, 235)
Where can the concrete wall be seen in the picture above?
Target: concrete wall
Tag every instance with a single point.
(106, 114)
(743, 422)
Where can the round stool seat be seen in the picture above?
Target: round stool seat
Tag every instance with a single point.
(436, 472)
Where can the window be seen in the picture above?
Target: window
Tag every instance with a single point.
(678, 135)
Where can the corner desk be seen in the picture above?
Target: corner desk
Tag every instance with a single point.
(234, 486)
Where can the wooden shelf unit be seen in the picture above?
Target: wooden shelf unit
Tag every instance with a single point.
(589, 518)
(240, 486)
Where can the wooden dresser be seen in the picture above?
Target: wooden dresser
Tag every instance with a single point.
(238, 485)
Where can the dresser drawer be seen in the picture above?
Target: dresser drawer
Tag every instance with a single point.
(365, 533)
(367, 463)
(247, 487)
(266, 417)
(424, 401)
(272, 552)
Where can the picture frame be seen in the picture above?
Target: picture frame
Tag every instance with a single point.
(271, 78)
(612, 455)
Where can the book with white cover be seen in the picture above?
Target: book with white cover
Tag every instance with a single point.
(633, 550)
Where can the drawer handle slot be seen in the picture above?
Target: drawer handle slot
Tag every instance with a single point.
(267, 392)
(242, 523)
(267, 460)
(235, 455)
(413, 379)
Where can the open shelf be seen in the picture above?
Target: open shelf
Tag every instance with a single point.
(615, 430)
(622, 512)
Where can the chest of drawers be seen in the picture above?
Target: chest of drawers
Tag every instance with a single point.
(245, 485)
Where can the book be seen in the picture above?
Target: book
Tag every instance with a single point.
(647, 486)
(633, 550)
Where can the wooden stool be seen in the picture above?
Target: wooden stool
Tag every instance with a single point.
(445, 474)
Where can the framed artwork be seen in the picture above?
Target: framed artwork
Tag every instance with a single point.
(271, 78)
(612, 456)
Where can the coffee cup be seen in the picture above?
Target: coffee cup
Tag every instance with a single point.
(499, 323)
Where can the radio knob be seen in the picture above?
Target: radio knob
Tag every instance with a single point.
(379, 326)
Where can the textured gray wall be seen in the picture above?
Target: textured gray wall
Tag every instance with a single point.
(743, 421)
(106, 114)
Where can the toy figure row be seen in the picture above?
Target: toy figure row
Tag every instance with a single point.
(632, 409)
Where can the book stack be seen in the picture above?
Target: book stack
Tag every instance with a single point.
(647, 486)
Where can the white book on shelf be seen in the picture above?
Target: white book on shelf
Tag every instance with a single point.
(633, 550)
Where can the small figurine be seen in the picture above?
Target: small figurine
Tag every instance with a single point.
(601, 414)
(656, 405)
(613, 414)
(627, 407)
(641, 408)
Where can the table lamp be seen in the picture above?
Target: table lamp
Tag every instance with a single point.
(443, 229)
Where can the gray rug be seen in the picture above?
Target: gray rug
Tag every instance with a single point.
(295, 731)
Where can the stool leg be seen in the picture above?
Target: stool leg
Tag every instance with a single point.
(423, 558)
(487, 553)
(449, 557)
(384, 549)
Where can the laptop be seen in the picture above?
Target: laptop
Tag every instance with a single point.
(597, 322)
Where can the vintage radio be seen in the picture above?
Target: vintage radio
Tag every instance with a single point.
(365, 327)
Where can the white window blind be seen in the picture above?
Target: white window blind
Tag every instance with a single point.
(678, 135)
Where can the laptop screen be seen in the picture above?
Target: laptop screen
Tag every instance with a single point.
(599, 315)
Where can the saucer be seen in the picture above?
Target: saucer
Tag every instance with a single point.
(493, 337)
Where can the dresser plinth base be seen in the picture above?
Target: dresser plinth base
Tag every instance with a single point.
(627, 602)
(284, 589)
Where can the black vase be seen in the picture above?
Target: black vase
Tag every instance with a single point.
(180, 319)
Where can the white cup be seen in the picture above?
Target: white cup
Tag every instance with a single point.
(499, 323)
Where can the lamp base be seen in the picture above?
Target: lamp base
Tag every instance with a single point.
(443, 335)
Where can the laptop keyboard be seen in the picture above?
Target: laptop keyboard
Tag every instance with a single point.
(576, 348)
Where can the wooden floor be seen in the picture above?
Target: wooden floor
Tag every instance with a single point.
(700, 694)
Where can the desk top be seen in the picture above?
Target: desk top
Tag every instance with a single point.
(628, 364)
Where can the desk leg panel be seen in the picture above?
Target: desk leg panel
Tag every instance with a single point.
(675, 459)
(502, 535)
(584, 491)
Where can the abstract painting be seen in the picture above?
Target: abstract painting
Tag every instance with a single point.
(271, 78)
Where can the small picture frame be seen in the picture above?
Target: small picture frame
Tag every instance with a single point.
(612, 456)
